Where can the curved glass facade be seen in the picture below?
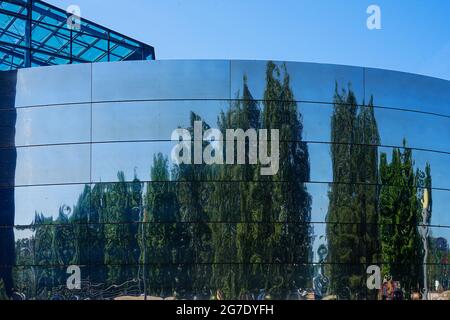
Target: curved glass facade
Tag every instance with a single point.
(87, 179)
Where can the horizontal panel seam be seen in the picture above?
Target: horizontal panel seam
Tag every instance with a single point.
(221, 99)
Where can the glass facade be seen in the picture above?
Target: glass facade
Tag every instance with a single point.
(34, 33)
(87, 179)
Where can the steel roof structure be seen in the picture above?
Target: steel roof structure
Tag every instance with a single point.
(35, 33)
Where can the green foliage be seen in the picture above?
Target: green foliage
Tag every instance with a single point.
(160, 228)
(400, 214)
(201, 230)
(264, 250)
(82, 237)
(44, 252)
(121, 248)
(353, 210)
(290, 200)
(190, 230)
(3, 295)
(98, 219)
(194, 233)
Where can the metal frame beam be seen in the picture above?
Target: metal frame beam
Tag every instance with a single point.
(28, 46)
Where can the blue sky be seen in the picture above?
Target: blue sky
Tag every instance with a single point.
(414, 38)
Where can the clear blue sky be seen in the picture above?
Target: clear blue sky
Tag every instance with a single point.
(415, 35)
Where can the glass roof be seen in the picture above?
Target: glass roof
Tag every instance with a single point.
(34, 33)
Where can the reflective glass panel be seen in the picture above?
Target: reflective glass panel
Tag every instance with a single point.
(159, 80)
(308, 81)
(53, 125)
(63, 84)
(51, 202)
(53, 165)
(151, 120)
(408, 91)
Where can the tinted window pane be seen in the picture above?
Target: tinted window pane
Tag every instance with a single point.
(419, 130)
(298, 250)
(8, 80)
(438, 267)
(322, 164)
(393, 126)
(53, 125)
(24, 246)
(7, 127)
(50, 202)
(408, 91)
(309, 81)
(133, 159)
(152, 120)
(441, 201)
(63, 84)
(52, 283)
(52, 165)
(161, 80)
(74, 201)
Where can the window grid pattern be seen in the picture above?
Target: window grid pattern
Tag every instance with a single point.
(34, 33)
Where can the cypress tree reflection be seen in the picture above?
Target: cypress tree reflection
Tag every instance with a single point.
(400, 215)
(199, 231)
(353, 210)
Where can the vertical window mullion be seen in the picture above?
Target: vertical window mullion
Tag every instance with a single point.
(28, 34)
(109, 46)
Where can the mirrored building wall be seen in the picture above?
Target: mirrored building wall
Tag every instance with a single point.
(88, 180)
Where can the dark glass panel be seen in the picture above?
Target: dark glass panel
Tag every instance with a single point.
(11, 58)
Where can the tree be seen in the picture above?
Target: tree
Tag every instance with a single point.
(294, 198)
(291, 237)
(45, 256)
(244, 114)
(160, 227)
(367, 192)
(81, 226)
(120, 232)
(353, 210)
(401, 246)
(266, 233)
(24, 278)
(3, 295)
(98, 220)
(64, 244)
(194, 231)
